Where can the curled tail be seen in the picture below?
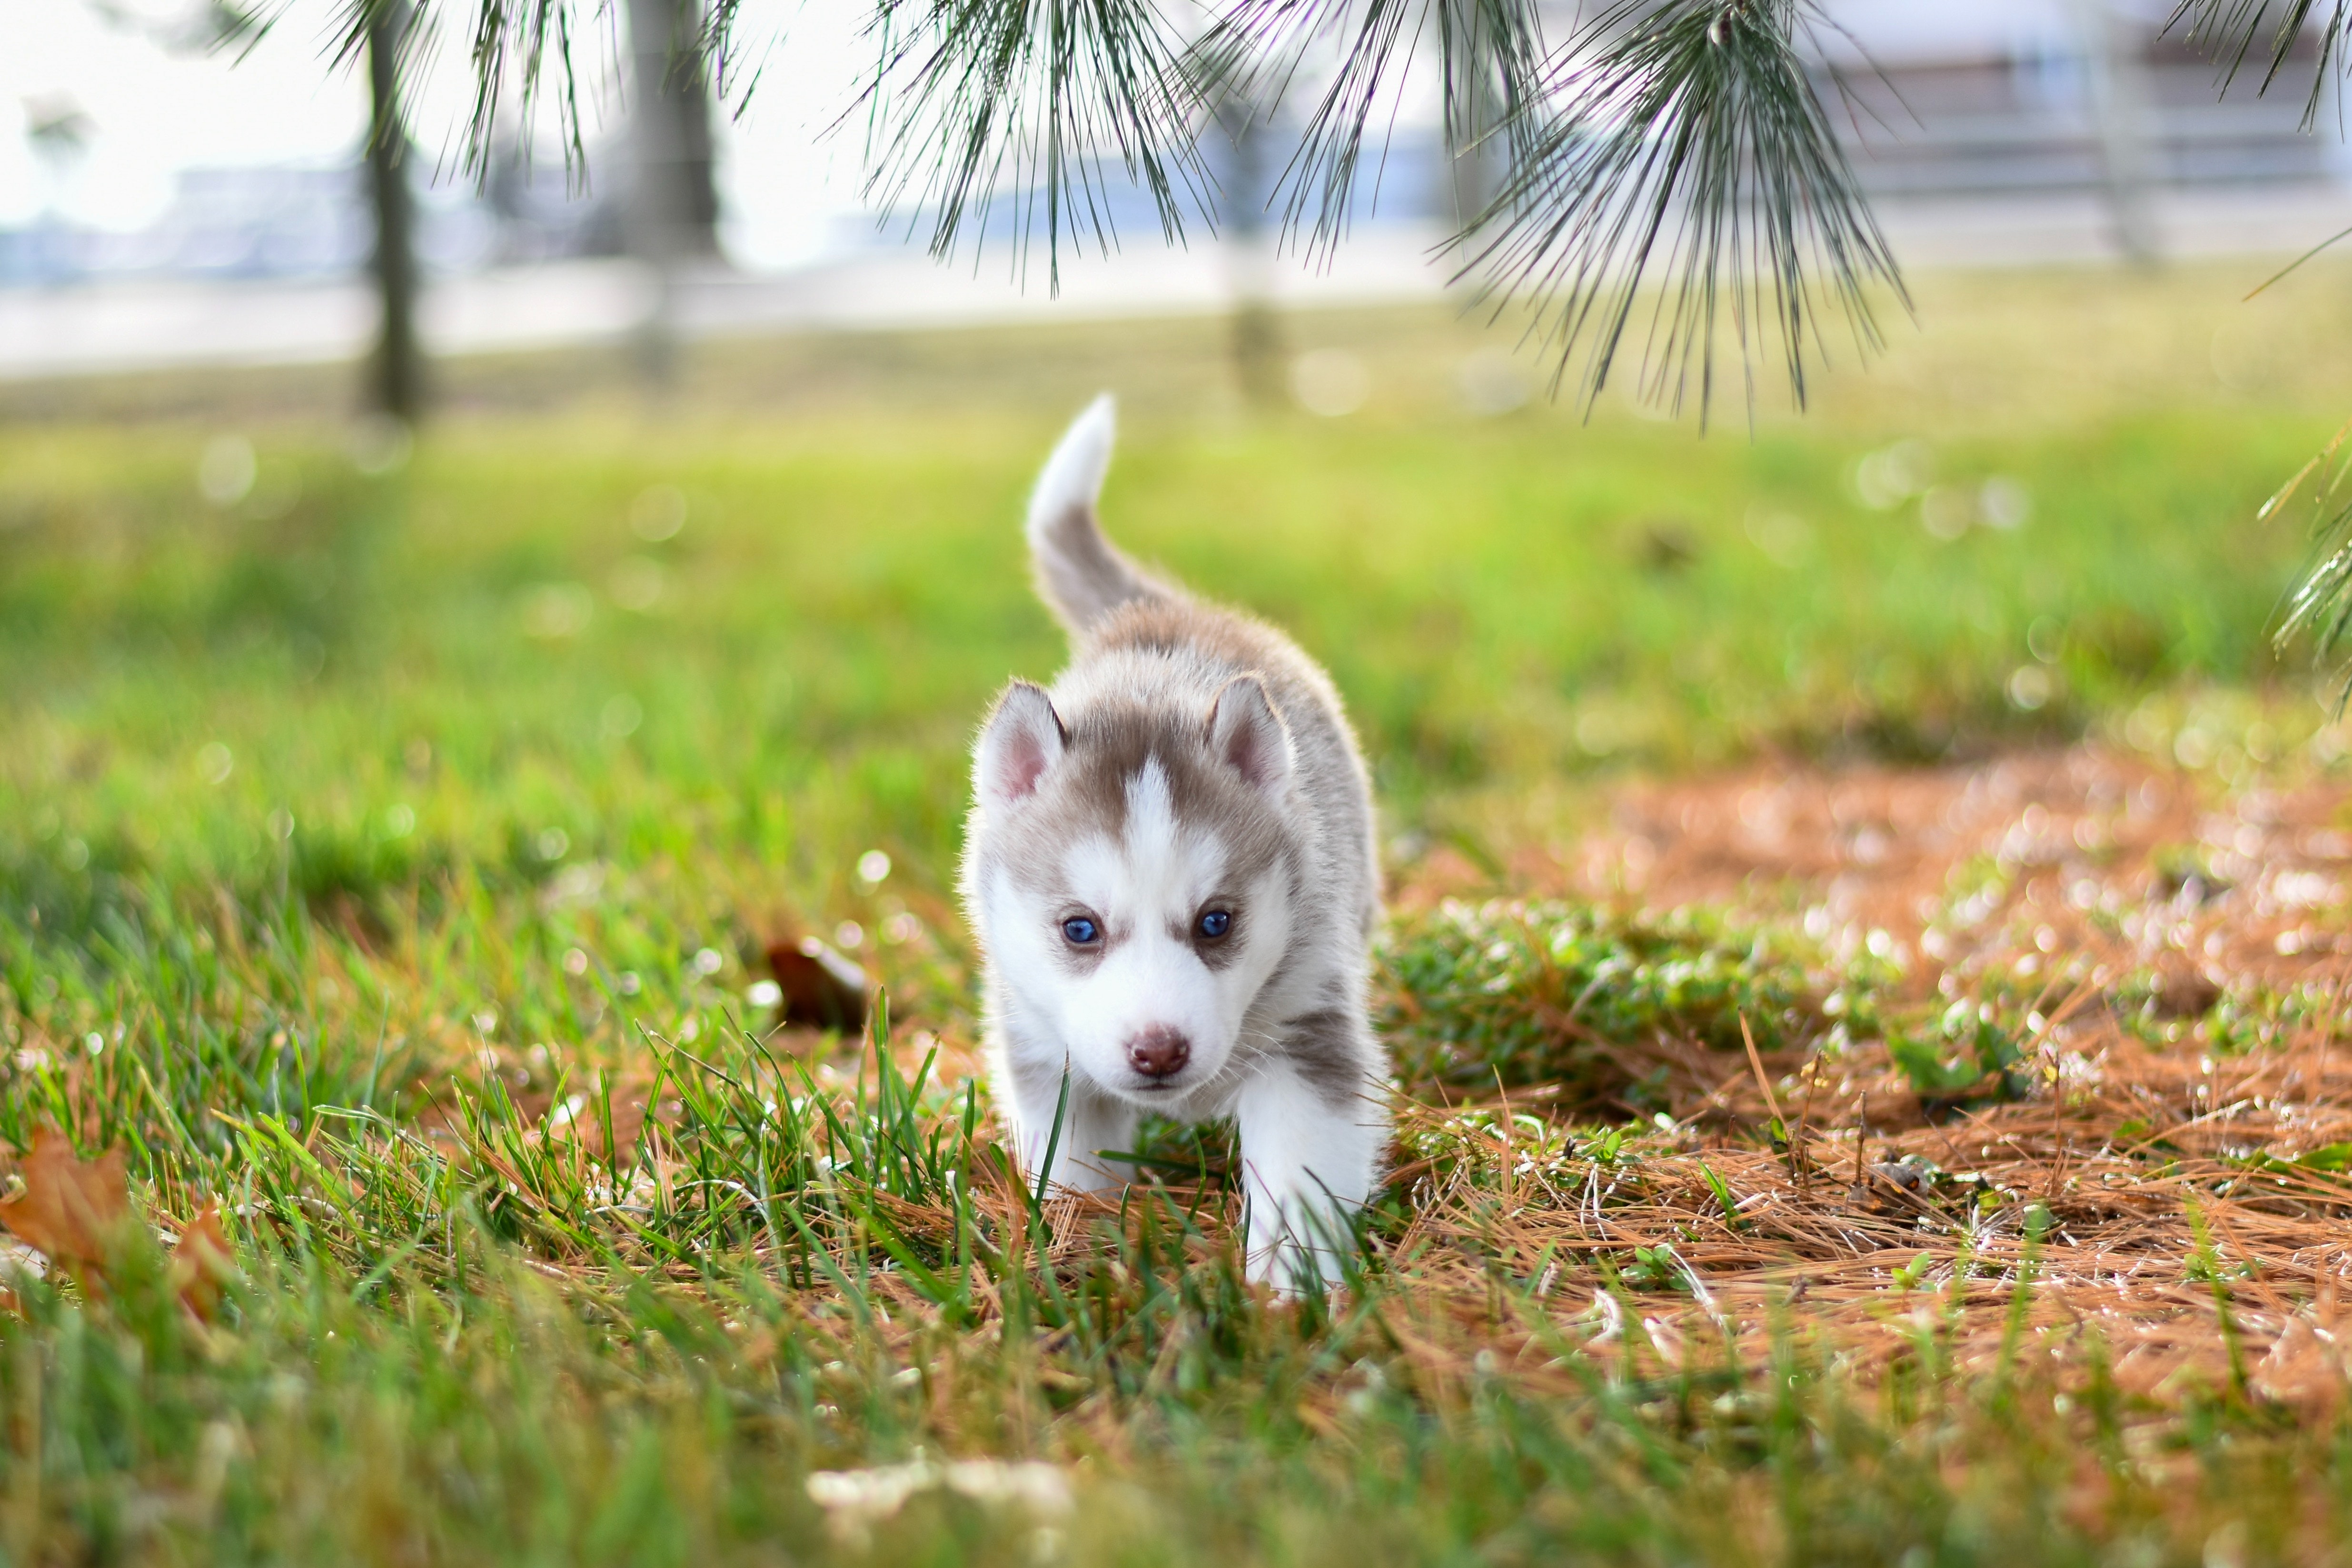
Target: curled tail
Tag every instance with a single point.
(1081, 577)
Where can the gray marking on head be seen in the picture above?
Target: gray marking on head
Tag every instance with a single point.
(1088, 795)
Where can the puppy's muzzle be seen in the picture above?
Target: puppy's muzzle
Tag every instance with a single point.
(1158, 1053)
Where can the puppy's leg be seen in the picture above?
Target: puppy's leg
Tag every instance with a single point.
(1091, 1122)
(1311, 1161)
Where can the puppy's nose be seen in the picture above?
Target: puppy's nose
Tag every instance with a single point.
(1158, 1052)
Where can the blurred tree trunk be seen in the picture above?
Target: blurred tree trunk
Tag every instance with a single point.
(398, 372)
(1256, 330)
(1472, 167)
(2116, 75)
(672, 206)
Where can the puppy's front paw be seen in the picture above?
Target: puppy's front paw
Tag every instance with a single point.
(1293, 1268)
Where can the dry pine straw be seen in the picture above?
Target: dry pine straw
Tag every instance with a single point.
(2170, 1252)
(1513, 1240)
(2058, 876)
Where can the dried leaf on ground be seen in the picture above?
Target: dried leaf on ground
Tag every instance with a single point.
(75, 1211)
(202, 1264)
(822, 988)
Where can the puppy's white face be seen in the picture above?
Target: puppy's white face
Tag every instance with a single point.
(1137, 897)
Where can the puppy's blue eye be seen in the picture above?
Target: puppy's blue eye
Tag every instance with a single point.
(1080, 930)
(1215, 923)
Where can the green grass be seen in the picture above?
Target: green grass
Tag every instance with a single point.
(1483, 997)
(843, 599)
(348, 830)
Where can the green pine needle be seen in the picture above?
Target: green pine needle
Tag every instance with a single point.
(970, 100)
(2230, 31)
(1689, 170)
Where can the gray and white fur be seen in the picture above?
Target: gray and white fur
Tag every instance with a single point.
(1171, 871)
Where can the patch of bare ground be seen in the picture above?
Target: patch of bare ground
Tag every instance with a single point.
(2164, 1196)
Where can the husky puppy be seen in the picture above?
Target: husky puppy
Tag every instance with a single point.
(1171, 871)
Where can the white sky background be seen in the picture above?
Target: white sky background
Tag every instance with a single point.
(153, 113)
(785, 185)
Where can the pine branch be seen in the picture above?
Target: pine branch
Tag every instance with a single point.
(521, 54)
(1687, 168)
(1672, 139)
(2231, 31)
(2320, 605)
(971, 100)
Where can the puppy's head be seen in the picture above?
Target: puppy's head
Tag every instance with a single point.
(1137, 873)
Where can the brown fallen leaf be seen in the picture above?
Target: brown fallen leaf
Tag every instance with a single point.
(75, 1211)
(822, 988)
(202, 1264)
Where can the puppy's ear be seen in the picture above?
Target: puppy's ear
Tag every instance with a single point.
(1248, 736)
(1021, 742)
